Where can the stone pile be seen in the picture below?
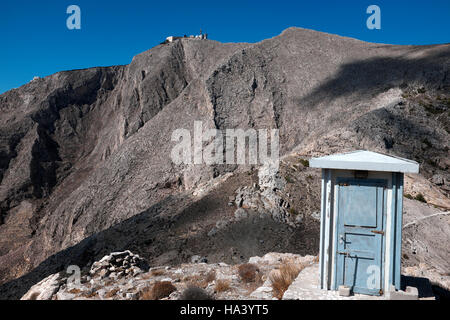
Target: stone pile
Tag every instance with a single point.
(119, 264)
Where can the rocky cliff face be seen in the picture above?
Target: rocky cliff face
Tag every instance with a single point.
(85, 164)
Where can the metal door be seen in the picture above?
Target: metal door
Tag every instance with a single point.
(360, 235)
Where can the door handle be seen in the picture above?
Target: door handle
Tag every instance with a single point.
(378, 232)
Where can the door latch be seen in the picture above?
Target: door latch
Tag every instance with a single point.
(345, 253)
(378, 232)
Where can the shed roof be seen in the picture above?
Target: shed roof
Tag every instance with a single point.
(365, 160)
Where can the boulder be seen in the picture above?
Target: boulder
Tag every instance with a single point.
(438, 179)
(240, 214)
(45, 289)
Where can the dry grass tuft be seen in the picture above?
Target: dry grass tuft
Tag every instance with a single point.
(248, 272)
(157, 272)
(200, 280)
(210, 276)
(75, 291)
(153, 273)
(91, 295)
(159, 290)
(111, 293)
(252, 286)
(222, 285)
(282, 278)
(108, 282)
(195, 280)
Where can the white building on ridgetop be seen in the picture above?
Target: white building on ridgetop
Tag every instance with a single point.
(201, 36)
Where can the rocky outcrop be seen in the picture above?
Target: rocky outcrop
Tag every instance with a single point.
(266, 197)
(45, 289)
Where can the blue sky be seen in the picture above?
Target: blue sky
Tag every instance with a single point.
(36, 42)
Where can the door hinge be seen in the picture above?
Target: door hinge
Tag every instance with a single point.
(378, 232)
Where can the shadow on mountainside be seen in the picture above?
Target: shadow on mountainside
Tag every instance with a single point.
(369, 77)
(173, 230)
(403, 136)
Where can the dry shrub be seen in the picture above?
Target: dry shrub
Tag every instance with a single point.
(195, 293)
(248, 272)
(281, 279)
(162, 289)
(34, 295)
(222, 285)
(159, 290)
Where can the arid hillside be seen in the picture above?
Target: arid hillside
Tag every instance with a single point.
(85, 155)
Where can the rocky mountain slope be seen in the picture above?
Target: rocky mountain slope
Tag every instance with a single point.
(85, 164)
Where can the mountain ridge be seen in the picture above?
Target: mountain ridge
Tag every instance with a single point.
(84, 151)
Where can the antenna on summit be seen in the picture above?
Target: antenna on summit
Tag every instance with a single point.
(203, 36)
